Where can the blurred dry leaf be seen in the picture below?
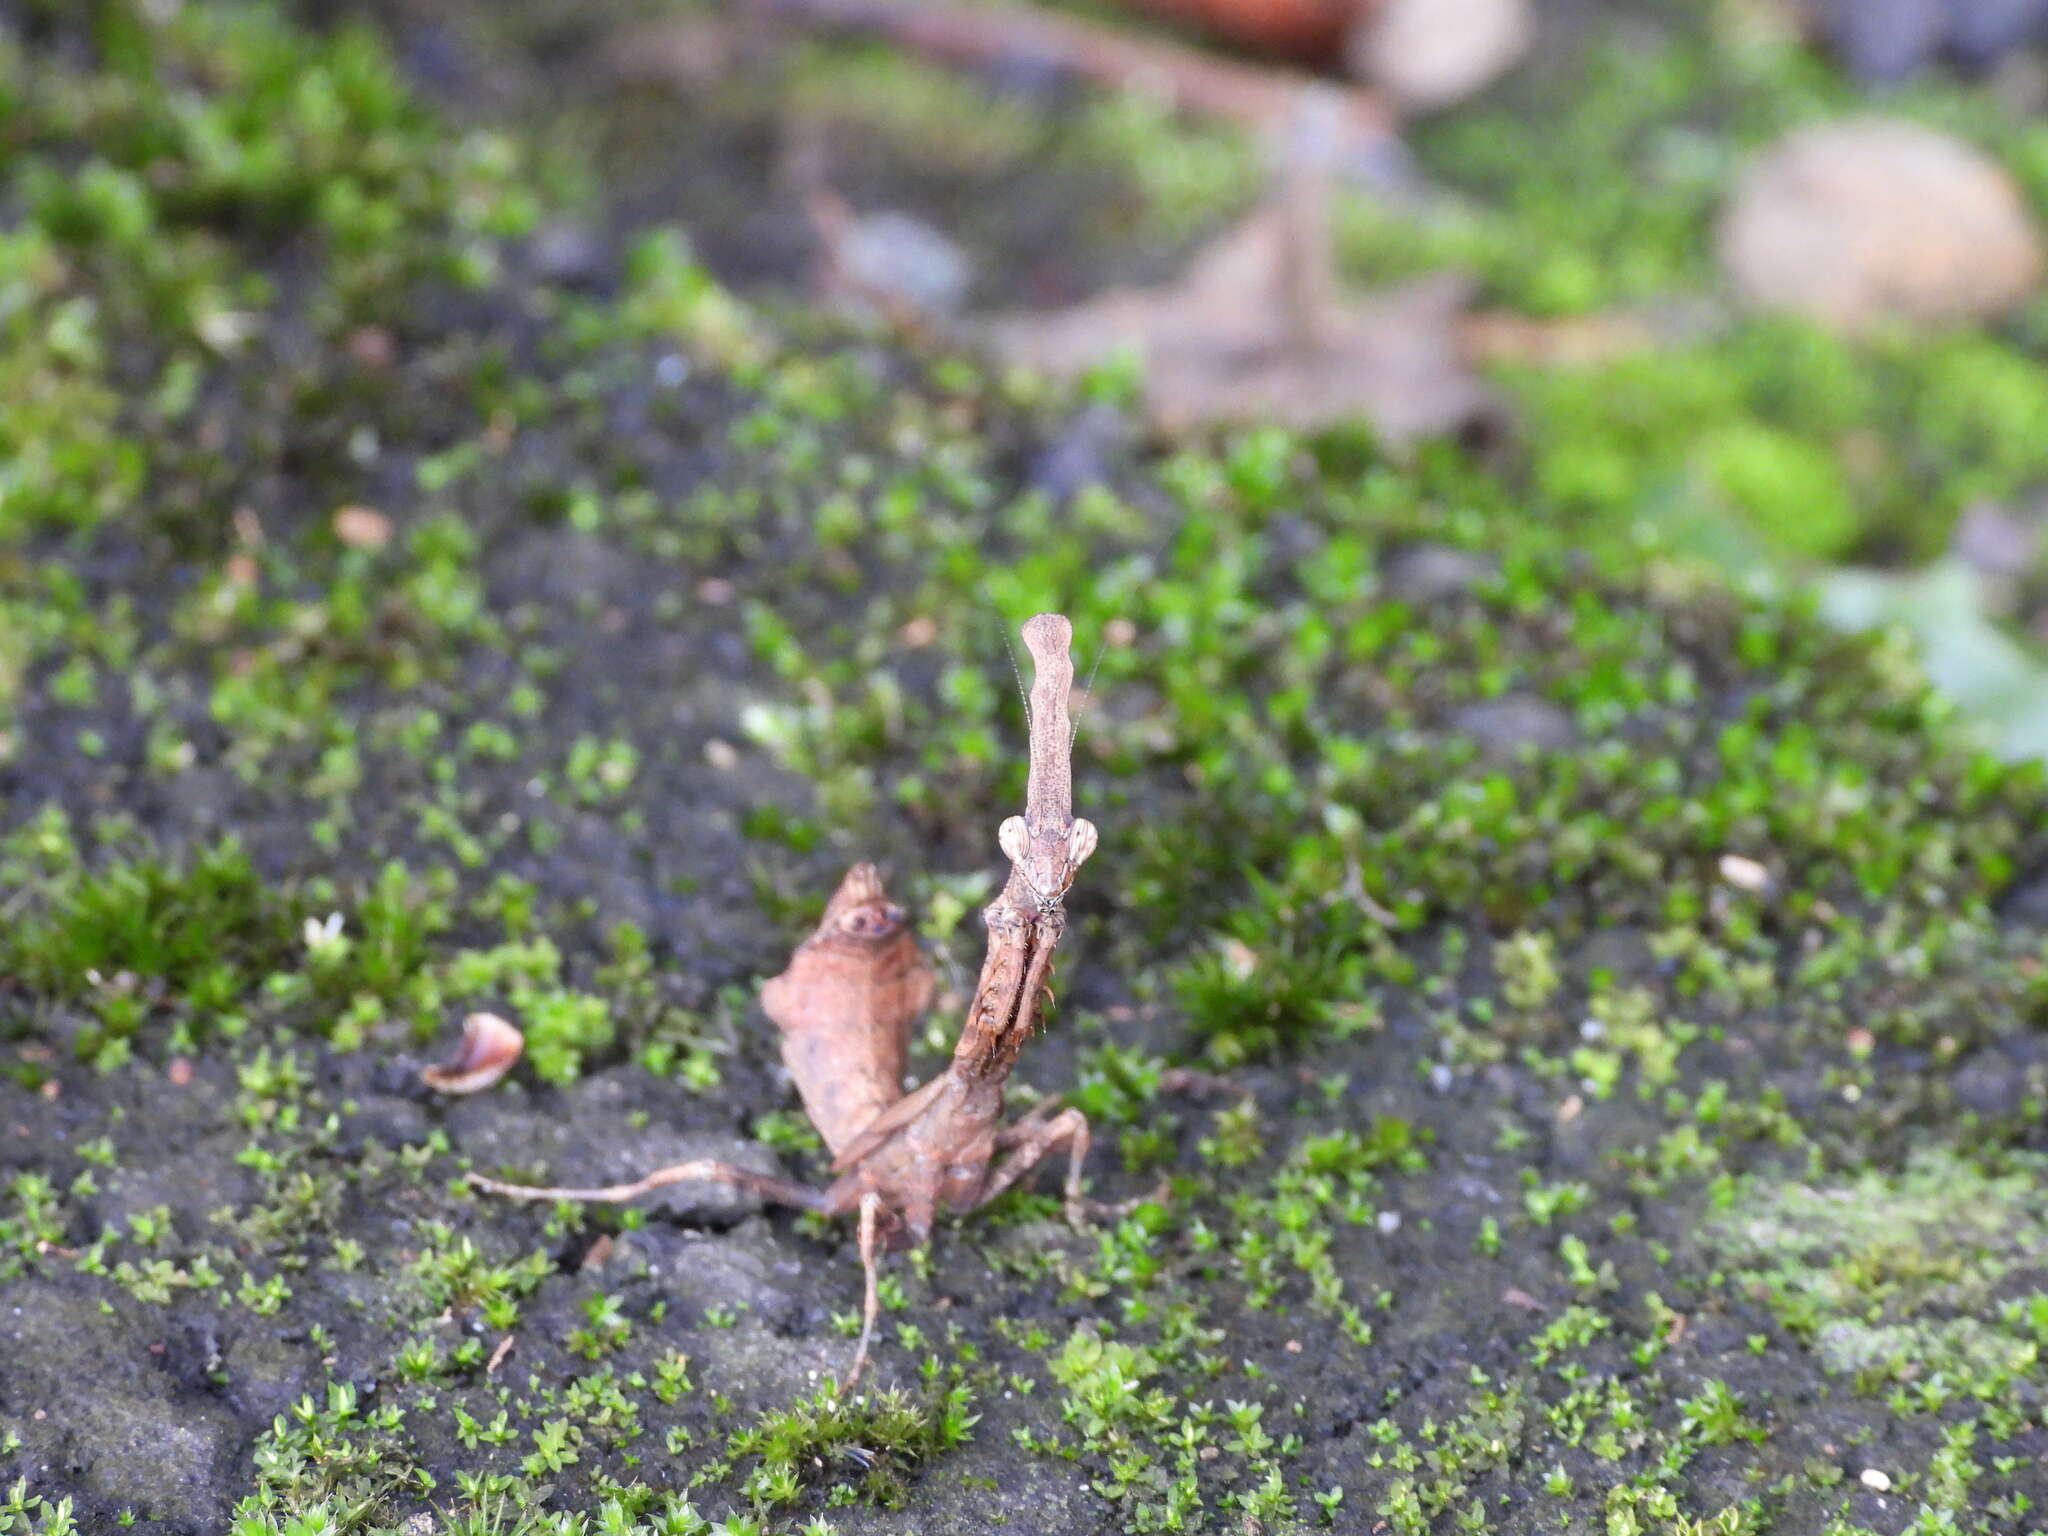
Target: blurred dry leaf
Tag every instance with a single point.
(692, 53)
(1228, 342)
(1570, 341)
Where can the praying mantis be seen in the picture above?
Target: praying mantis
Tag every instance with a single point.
(845, 1005)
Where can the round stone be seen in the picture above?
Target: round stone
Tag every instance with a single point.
(1429, 54)
(1854, 222)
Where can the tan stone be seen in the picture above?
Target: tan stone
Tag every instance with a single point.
(1429, 54)
(1856, 221)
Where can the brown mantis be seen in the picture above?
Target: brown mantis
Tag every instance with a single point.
(847, 1000)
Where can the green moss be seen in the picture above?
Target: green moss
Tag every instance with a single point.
(1791, 491)
(873, 1440)
(1902, 1278)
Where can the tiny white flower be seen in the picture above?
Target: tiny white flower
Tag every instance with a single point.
(322, 934)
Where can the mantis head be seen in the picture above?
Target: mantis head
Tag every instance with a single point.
(1048, 858)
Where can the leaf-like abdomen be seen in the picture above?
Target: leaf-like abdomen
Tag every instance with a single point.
(845, 1006)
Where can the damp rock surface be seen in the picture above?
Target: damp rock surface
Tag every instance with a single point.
(1485, 1155)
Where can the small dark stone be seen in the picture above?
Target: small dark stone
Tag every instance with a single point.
(394, 1077)
(190, 1184)
(1624, 953)
(268, 1372)
(1989, 1084)
(1503, 727)
(744, 1269)
(389, 1123)
(2026, 1047)
(1991, 540)
(1884, 41)
(1294, 539)
(113, 1429)
(436, 57)
(1981, 32)
(570, 567)
(2027, 901)
(1806, 1092)
(568, 253)
(1429, 573)
(1079, 456)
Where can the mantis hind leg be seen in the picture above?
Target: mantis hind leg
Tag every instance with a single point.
(871, 1299)
(768, 1187)
(701, 1171)
(1029, 1142)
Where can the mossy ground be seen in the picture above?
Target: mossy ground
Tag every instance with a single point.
(1626, 998)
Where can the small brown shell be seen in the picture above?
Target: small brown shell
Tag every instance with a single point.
(490, 1047)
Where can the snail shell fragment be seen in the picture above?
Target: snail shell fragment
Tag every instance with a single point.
(490, 1047)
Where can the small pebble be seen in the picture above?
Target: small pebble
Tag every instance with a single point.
(1981, 32)
(1851, 223)
(895, 256)
(1885, 40)
(1429, 54)
(372, 346)
(1991, 540)
(1870, 1477)
(568, 253)
(1744, 874)
(362, 528)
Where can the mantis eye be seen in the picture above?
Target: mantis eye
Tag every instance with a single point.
(1014, 839)
(1080, 842)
